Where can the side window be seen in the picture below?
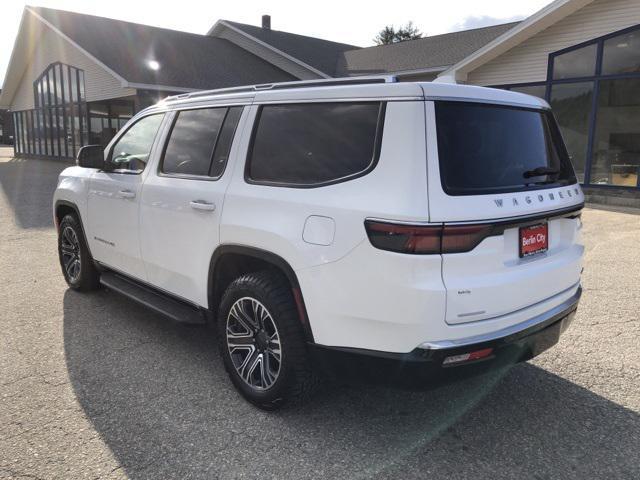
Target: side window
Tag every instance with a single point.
(200, 141)
(315, 143)
(131, 152)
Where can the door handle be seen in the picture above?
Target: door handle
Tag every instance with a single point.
(126, 194)
(202, 205)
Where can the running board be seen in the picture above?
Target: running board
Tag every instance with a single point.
(157, 301)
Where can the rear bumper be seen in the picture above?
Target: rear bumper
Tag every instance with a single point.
(425, 365)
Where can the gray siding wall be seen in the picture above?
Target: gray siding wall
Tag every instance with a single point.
(99, 83)
(267, 54)
(527, 62)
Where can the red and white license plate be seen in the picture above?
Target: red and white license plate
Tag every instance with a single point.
(534, 240)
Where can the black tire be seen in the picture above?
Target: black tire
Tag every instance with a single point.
(295, 381)
(72, 246)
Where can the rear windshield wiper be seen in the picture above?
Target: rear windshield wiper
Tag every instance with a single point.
(537, 172)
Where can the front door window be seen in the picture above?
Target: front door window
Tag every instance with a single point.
(131, 152)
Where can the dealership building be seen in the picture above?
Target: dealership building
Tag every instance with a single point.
(76, 79)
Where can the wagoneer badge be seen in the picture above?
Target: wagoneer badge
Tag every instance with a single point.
(540, 197)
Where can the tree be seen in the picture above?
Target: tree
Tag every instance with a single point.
(389, 34)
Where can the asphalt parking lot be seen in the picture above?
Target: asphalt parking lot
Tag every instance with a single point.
(94, 386)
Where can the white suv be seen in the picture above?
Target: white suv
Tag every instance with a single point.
(359, 226)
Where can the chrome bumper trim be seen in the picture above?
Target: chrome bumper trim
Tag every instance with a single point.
(558, 312)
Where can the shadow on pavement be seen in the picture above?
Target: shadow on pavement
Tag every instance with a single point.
(158, 396)
(28, 185)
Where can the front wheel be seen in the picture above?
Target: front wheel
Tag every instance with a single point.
(75, 259)
(261, 341)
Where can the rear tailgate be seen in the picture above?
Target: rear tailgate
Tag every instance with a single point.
(502, 169)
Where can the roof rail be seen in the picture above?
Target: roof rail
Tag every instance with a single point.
(328, 82)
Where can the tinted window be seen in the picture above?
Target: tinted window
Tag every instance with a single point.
(200, 141)
(131, 152)
(491, 149)
(193, 137)
(315, 143)
(225, 139)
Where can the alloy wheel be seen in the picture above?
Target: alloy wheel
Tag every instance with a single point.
(70, 249)
(254, 343)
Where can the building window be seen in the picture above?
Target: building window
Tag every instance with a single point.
(571, 104)
(599, 114)
(107, 118)
(594, 90)
(621, 54)
(539, 91)
(576, 63)
(16, 129)
(616, 147)
(56, 126)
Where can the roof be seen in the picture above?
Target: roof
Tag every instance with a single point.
(187, 60)
(321, 54)
(434, 52)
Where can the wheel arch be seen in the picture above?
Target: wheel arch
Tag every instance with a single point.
(65, 207)
(228, 261)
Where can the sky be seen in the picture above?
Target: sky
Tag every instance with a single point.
(355, 22)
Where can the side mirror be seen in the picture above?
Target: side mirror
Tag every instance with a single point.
(91, 156)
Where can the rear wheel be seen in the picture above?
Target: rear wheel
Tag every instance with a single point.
(77, 264)
(261, 341)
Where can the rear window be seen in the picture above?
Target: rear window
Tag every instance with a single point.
(494, 149)
(315, 143)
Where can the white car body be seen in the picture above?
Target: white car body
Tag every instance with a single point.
(355, 295)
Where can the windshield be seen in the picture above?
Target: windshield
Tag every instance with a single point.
(493, 149)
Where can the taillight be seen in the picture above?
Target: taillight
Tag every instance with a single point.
(425, 239)
(463, 238)
(404, 238)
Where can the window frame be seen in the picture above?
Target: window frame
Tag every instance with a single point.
(174, 119)
(122, 133)
(372, 164)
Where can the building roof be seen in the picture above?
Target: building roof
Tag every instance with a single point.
(433, 52)
(321, 54)
(186, 60)
(335, 59)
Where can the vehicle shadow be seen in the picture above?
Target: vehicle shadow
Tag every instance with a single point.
(158, 395)
(28, 185)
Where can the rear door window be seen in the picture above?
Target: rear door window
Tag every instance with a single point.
(200, 141)
(486, 149)
(314, 144)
